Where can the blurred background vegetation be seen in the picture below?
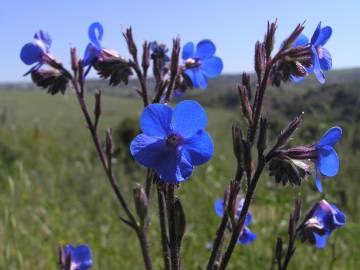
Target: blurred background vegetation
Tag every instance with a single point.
(53, 189)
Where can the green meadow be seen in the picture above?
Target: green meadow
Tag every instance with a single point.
(53, 189)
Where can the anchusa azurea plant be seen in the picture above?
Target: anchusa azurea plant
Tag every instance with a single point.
(174, 139)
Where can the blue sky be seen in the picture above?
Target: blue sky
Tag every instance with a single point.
(234, 26)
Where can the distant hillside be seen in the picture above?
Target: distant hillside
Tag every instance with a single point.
(221, 91)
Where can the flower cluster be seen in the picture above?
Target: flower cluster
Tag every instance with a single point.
(326, 218)
(321, 57)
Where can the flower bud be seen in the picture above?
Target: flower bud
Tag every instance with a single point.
(245, 104)
(269, 39)
(261, 146)
(289, 130)
(130, 42)
(141, 202)
(260, 60)
(180, 221)
(146, 56)
(74, 59)
(246, 82)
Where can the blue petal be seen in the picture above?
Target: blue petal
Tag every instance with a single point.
(156, 120)
(81, 257)
(219, 207)
(316, 34)
(197, 78)
(328, 161)
(317, 69)
(325, 59)
(45, 37)
(246, 236)
(324, 36)
(248, 219)
(189, 117)
(174, 167)
(91, 52)
(339, 217)
(199, 148)
(205, 49)
(212, 66)
(32, 52)
(148, 151)
(331, 137)
(188, 51)
(301, 40)
(318, 182)
(320, 240)
(296, 79)
(96, 32)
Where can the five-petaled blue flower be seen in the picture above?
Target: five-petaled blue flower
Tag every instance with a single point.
(321, 57)
(327, 162)
(81, 258)
(173, 141)
(246, 236)
(93, 49)
(33, 52)
(201, 64)
(326, 218)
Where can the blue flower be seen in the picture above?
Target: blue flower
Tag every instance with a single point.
(81, 258)
(159, 51)
(93, 49)
(201, 64)
(173, 141)
(33, 52)
(246, 236)
(327, 162)
(321, 57)
(326, 218)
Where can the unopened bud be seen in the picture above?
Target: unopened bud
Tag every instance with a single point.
(141, 202)
(246, 82)
(297, 209)
(74, 59)
(175, 56)
(245, 103)
(109, 143)
(237, 143)
(130, 42)
(180, 221)
(293, 36)
(259, 60)
(146, 56)
(292, 226)
(286, 133)
(261, 145)
(97, 108)
(269, 39)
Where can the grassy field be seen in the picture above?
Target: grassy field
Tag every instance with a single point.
(53, 190)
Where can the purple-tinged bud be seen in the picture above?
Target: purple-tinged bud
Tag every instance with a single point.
(261, 145)
(237, 142)
(269, 39)
(260, 60)
(130, 42)
(292, 226)
(97, 108)
(302, 152)
(180, 221)
(146, 56)
(245, 103)
(74, 59)
(297, 209)
(141, 203)
(286, 133)
(175, 57)
(246, 82)
(293, 36)
(52, 80)
(109, 144)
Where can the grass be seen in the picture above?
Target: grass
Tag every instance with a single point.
(53, 190)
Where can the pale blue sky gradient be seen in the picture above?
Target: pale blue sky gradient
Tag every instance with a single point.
(233, 25)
